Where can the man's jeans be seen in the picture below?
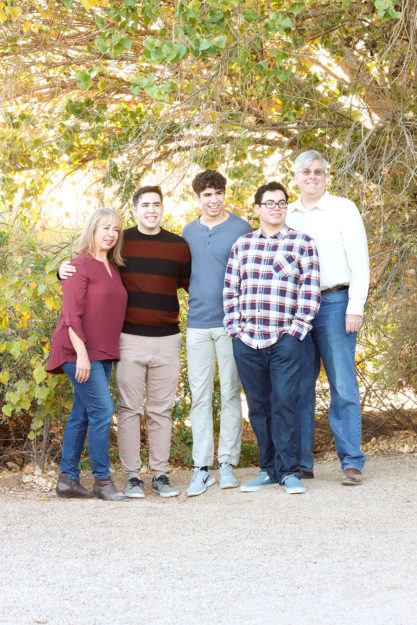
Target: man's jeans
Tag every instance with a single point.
(271, 381)
(329, 342)
(203, 346)
(93, 410)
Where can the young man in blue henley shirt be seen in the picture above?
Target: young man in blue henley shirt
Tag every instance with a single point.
(210, 238)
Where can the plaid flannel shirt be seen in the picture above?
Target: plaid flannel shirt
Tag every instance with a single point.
(271, 287)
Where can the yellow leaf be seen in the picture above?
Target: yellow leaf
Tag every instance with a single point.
(14, 12)
(87, 4)
(4, 376)
(3, 16)
(39, 374)
(50, 303)
(3, 322)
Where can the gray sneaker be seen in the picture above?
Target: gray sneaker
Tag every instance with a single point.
(227, 479)
(134, 488)
(162, 486)
(201, 480)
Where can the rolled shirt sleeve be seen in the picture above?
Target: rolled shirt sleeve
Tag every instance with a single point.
(74, 291)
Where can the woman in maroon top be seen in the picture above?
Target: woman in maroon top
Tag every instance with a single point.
(84, 345)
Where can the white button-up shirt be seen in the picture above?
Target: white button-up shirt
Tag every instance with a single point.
(337, 229)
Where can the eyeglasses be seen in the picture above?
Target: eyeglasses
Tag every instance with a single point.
(316, 172)
(270, 204)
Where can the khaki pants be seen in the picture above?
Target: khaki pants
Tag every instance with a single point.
(148, 365)
(203, 347)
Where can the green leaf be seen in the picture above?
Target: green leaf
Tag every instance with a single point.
(250, 16)
(7, 410)
(262, 66)
(100, 21)
(297, 7)
(31, 435)
(83, 79)
(126, 42)
(220, 42)
(68, 3)
(205, 44)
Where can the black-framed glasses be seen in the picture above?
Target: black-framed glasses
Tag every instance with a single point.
(270, 204)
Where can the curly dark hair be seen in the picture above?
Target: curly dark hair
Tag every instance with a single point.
(209, 178)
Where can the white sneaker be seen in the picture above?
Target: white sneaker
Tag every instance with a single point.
(227, 479)
(201, 480)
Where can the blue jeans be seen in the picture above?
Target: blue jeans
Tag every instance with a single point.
(93, 409)
(271, 380)
(329, 343)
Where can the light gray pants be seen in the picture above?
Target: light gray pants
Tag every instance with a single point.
(147, 365)
(203, 346)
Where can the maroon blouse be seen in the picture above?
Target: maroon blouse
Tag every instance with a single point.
(94, 306)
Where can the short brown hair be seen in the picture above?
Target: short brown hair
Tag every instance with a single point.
(149, 189)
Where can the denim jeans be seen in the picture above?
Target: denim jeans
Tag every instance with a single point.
(329, 343)
(271, 381)
(93, 410)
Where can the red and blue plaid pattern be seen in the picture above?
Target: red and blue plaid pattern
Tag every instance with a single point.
(271, 287)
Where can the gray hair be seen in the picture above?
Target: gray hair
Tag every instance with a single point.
(305, 159)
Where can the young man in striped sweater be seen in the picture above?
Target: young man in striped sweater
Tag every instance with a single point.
(157, 263)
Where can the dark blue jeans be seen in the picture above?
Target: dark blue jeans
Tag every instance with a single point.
(93, 410)
(328, 343)
(271, 381)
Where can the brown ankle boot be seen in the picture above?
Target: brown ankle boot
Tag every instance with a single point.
(68, 488)
(105, 489)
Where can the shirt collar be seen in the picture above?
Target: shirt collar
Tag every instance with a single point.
(321, 203)
(278, 235)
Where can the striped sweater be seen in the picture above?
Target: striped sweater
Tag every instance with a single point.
(155, 267)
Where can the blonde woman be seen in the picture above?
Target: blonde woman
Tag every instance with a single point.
(84, 345)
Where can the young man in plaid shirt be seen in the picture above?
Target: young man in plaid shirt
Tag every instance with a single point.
(271, 295)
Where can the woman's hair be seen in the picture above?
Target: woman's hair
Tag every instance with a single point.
(85, 243)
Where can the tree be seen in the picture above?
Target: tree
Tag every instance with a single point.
(123, 87)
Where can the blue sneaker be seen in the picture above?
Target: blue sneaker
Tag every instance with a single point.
(293, 485)
(227, 479)
(262, 481)
(201, 480)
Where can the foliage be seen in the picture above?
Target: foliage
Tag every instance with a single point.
(29, 305)
(130, 88)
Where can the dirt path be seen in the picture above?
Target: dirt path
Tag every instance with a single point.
(334, 556)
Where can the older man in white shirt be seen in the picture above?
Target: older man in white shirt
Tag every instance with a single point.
(337, 229)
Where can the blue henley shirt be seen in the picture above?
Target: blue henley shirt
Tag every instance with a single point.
(210, 250)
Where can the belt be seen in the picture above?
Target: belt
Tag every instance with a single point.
(341, 287)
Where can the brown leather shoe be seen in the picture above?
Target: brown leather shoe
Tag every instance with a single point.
(351, 477)
(105, 489)
(67, 488)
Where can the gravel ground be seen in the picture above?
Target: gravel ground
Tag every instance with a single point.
(334, 556)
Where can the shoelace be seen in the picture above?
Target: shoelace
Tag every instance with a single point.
(163, 479)
(135, 481)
